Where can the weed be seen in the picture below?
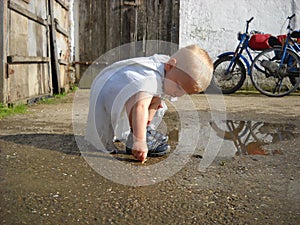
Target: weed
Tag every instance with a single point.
(12, 110)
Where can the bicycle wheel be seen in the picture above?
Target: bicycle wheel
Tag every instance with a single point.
(294, 81)
(228, 76)
(273, 78)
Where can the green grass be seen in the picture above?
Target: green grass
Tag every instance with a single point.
(14, 109)
(23, 108)
(248, 92)
(57, 98)
(9, 111)
(51, 100)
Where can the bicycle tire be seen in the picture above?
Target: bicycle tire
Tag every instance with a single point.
(231, 82)
(271, 79)
(294, 82)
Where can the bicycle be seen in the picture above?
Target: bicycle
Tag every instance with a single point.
(230, 67)
(275, 72)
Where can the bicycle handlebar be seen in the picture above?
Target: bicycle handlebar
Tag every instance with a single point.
(291, 17)
(289, 27)
(248, 21)
(252, 19)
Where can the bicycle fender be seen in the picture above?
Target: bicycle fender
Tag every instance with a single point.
(241, 56)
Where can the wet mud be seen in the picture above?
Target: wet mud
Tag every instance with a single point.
(254, 179)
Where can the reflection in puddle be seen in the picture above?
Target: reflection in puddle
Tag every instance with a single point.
(249, 137)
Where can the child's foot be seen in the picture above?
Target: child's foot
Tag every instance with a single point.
(160, 150)
(154, 135)
(155, 148)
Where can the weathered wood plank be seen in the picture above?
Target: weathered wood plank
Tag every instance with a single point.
(129, 30)
(63, 4)
(63, 62)
(60, 29)
(132, 3)
(3, 49)
(27, 59)
(92, 30)
(19, 9)
(104, 25)
(113, 23)
(28, 81)
(162, 23)
(53, 45)
(27, 54)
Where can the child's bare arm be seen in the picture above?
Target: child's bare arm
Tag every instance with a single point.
(137, 108)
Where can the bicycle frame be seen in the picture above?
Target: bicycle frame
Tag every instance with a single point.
(294, 46)
(289, 43)
(245, 60)
(275, 72)
(241, 47)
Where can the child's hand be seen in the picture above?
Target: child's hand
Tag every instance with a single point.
(140, 150)
(140, 155)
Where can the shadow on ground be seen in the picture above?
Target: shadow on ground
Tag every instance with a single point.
(64, 143)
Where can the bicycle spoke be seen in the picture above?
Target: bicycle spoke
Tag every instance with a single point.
(273, 75)
(229, 76)
(277, 87)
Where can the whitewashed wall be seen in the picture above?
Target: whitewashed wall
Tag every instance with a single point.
(214, 24)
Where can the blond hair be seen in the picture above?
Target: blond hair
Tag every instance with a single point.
(197, 63)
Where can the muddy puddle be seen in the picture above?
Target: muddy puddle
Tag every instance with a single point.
(252, 137)
(237, 137)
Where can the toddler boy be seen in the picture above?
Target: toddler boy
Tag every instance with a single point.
(126, 97)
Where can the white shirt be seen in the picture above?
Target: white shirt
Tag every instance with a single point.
(110, 90)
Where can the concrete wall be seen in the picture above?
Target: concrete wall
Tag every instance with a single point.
(214, 24)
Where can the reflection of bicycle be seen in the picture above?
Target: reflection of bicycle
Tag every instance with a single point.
(230, 67)
(275, 71)
(249, 137)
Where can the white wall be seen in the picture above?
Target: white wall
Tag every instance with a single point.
(213, 24)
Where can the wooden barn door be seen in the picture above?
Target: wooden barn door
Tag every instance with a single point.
(144, 20)
(27, 47)
(60, 46)
(36, 50)
(107, 24)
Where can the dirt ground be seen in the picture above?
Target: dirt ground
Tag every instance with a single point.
(44, 179)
